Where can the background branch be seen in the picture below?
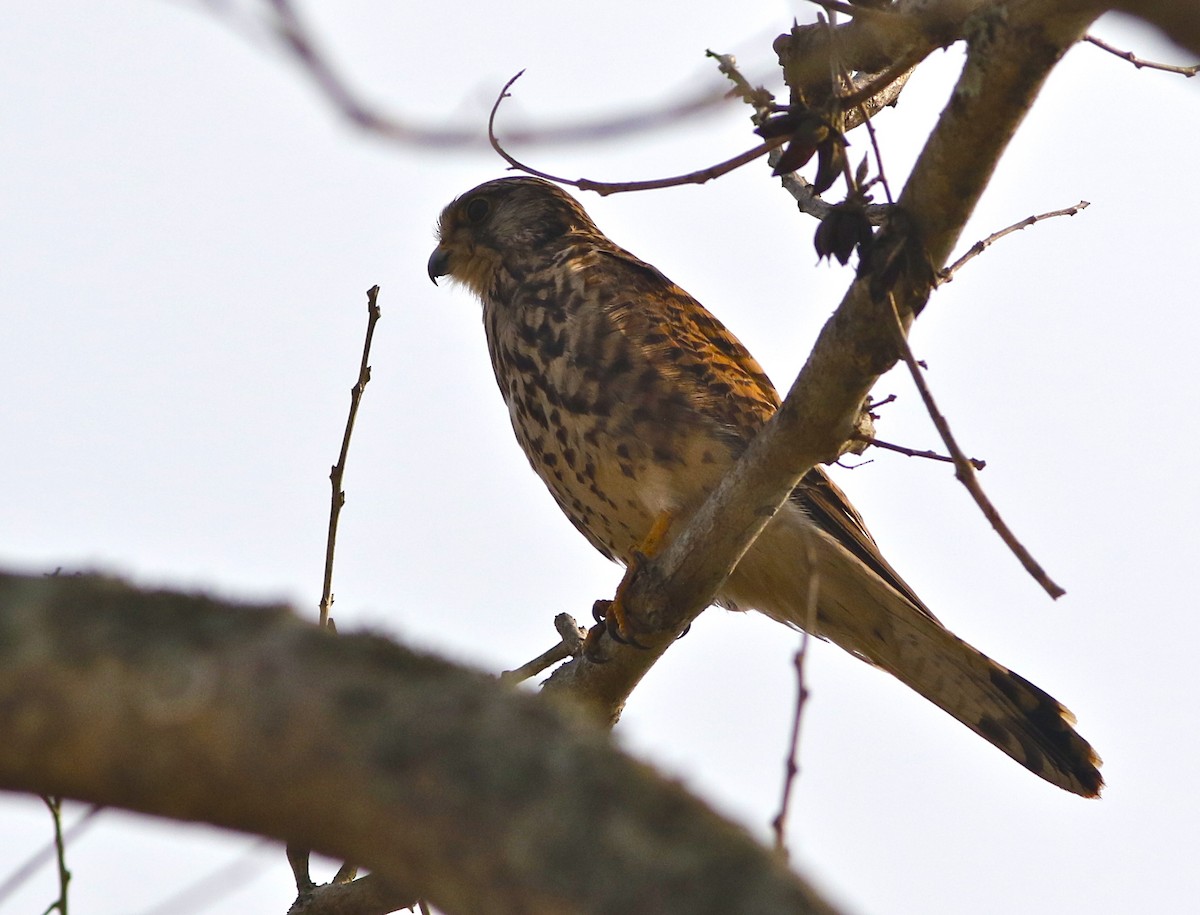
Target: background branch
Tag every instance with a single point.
(287, 29)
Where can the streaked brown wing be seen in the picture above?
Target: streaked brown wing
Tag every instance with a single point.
(720, 378)
(726, 383)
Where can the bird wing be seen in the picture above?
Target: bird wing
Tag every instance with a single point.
(727, 385)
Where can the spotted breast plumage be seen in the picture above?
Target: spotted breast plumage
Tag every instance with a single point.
(631, 401)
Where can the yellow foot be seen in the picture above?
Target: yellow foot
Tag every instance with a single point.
(611, 614)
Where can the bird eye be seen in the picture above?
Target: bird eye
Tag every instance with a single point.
(478, 209)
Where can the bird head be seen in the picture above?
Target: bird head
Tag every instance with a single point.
(510, 225)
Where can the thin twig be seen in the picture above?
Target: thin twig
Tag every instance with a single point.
(604, 188)
(570, 643)
(962, 467)
(35, 861)
(757, 97)
(298, 857)
(858, 99)
(60, 853)
(947, 273)
(1140, 62)
(791, 767)
(910, 452)
(807, 200)
(338, 471)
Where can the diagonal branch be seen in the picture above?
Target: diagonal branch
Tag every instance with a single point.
(1009, 58)
(965, 471)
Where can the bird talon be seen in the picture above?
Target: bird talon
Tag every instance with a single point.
(591, 644)
(610, 620)
(600, 610)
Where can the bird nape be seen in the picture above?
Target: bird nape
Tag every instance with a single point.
(631, 400)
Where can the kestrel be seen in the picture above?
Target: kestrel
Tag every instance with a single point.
(631, 401)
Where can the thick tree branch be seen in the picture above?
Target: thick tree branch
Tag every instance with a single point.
(438, 779)
(1010, 54)
(1179, 22)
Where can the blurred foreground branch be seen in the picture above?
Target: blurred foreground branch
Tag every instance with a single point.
(437, 778)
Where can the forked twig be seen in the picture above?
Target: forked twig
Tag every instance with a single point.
(962, 467)
(604, 188)
(570, 644)
(947, 273)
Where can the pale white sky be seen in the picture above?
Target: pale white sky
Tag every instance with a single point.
(187, 236)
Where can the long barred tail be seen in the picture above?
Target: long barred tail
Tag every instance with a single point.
(865, 615)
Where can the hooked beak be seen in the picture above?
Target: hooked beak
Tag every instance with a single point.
(439, 263)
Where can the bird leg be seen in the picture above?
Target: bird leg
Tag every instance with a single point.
(611, 615)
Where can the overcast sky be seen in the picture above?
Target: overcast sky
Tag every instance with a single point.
(188, 233)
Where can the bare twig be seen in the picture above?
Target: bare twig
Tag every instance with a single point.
(339, 469)
(962, 467)
(1140, 62)
(791, 767)
(604, 188)
(297, 857)
(571, 638)
(35, 861)
(858, 99)
(757, 97)
(54, 804)
(807, 200)
(930, 455)
(947, 274)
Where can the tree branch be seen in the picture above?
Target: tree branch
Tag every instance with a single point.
(288, 30)
(1178, 22)
(1140, 62)
(480, 798)
(1009, 57)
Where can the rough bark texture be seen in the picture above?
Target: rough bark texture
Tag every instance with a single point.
(483, 799)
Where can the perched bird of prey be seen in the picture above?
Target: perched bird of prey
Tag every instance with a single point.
(631, 401)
